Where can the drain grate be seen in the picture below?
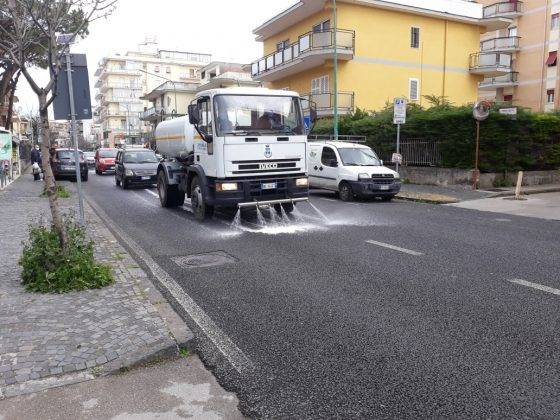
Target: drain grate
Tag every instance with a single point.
(208, 259)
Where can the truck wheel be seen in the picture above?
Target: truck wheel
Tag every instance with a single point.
(169, 195)
(201, 210)
(345, 192)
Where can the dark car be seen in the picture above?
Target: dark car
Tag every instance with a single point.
(136, 167)
(64, 165)
(105, 160)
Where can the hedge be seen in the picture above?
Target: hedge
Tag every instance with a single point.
(529, 142)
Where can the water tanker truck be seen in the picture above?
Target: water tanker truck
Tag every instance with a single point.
(237, 147)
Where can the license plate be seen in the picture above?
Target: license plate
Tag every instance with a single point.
(68, 168)
(384, 187)
(145, 178)
(268, 186)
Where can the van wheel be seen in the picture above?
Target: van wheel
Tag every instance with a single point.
(387, 198)
(201, 210)
(169, 195)
(345, 192)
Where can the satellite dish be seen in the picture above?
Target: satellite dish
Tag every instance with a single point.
(481, 110)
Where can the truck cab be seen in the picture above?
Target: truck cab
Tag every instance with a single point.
(237, 147)
(351, 170)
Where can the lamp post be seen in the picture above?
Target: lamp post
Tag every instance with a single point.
(166, 79)
(335, 71)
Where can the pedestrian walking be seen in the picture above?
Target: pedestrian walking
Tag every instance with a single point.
(36, 155)
(4, 173)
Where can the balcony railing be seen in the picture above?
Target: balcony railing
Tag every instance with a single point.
(506, 43)
(116, 85)
(502, 9)
(150, 112)
(311, 41)
(509, 79)
(324, 102)
(488, 63)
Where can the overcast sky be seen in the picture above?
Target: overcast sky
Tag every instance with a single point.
(222, 28)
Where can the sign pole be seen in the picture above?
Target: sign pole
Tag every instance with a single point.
(75, 137)
(475, 174)
(398, 146)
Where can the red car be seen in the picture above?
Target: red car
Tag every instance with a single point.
(105, 160)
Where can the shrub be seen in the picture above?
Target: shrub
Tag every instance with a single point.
(48, 268)
(61, 192)
(529, 142)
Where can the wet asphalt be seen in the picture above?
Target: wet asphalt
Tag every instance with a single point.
(422, 321)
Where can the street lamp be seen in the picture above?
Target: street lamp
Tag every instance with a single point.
(168, 80)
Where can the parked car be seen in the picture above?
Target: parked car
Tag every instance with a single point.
(136, 167)
(351, 170)
(105, 160)
(64, 165)
(90, 159)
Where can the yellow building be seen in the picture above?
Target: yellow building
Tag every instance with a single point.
(385, 49)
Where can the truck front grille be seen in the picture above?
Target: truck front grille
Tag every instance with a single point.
(383, 179)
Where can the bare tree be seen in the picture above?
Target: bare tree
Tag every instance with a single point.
(32, 21)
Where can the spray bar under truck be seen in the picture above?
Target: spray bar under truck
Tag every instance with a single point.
(237, 147)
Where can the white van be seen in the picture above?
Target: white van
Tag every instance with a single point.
(350, 169)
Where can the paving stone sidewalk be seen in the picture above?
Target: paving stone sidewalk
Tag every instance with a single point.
(42, 336)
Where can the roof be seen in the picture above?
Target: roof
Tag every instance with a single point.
(338, 144)
(455, 10)
(248, 91)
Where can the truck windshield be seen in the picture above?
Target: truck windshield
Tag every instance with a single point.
(243, 115)
(358, 157)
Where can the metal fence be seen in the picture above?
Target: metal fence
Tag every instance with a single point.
(421, 152)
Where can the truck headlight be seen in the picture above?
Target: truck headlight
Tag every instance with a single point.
(302, 182)
(226, 186)
(129, 172)
(363, 177)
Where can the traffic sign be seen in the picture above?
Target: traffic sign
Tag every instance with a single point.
(399, 111)
(396, 158)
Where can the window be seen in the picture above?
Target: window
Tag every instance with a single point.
(206, 116)
(320, 85)
(413, 89)
(168, 69)
(512, 31)
(550, 96)
(508, 98)
(414, 37)
(552, 57)
(282, 45)
(156, 69)
(168, 101)
(192, 73)
(555, 21)
(328, 157)
(322, 27)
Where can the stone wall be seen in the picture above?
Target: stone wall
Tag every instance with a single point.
(454, 176)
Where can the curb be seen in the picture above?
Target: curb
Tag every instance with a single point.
(543, 190)
(427, 199)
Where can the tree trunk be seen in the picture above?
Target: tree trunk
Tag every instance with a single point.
(50, 184)
(13, 85)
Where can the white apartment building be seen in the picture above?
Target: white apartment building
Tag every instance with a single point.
(123, 80)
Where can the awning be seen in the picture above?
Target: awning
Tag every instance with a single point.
(552, 57)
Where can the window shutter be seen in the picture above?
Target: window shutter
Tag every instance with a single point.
(413, 89)
(414, 37)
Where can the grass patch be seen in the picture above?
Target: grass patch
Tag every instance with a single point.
(61, 192)
(183, 352)
(48, 268)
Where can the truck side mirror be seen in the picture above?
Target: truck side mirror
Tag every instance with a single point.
(194, 114)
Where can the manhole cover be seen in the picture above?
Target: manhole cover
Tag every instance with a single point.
(209, 259)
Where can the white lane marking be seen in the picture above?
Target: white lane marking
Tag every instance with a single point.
(145, 200)
(152, 193)
(395, 248)
(536, 286)
(223, 343)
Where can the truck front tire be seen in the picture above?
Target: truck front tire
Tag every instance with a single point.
(201, 210)
(169, 195)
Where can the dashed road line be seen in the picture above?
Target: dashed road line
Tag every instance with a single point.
(223, 343)
(536, 286)
(395, 248)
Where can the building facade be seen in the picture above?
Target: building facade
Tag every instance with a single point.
(385, 49)
(123, 81)
(220, 74)
(530, 42)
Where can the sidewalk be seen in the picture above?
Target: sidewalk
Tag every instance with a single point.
(52, 340)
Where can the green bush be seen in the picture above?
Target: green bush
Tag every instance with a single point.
(61, 192)
(529, 142)
(48, 268)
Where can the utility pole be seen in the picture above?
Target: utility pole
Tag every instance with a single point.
(335, 71)
(74, 135)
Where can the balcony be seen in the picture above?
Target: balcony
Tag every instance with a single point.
(491, 83)
(311, 50)
(490, 64)
(116, 85)
(504, 9)
(324, 103)
(501, 44)
(151, 114)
